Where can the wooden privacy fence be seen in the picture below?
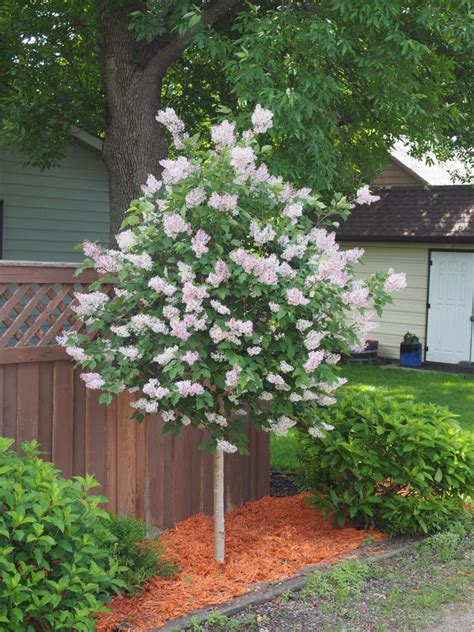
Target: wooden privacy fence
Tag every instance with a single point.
(156, 477)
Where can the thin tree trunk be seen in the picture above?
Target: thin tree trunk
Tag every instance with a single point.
(219, 521)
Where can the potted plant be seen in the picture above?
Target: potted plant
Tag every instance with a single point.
(370, 352)
(410, 350)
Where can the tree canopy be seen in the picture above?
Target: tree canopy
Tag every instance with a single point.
(343, 79)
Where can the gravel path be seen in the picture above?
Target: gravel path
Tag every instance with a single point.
(456, 619)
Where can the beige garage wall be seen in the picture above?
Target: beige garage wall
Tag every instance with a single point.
(408, 313)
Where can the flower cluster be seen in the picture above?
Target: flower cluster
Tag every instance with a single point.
(226, 294)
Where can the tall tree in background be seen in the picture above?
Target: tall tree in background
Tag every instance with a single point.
(344, 79)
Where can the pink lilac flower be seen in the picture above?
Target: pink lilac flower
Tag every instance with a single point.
(332, 358)
(89, 304)
(195, 197)
(199, 324)
(120, 330)
(325, 400)
(193, 296)
(126, 240)
(161, 286)
(224, 202)
(353, 254)
(151, 186)
(93, 381)
(179, 329)
(295, 397)
(199, 241)
(277, 381)
(254, 350)
(185, 272)
(395, 282)
(274, 307)
(105, 261)
(215, 418)
(225, 446)
(261, 235)
(261, 174)
(170, 120)
(316, 432)
(314, 360)
(218, 356)
(240, 327)
(313, 338)
(176, 170)
(261, 119)
(281, 426)
(364, 196)
(222, 135)
(265, 396)
(76, 353)
(302, 324)
(169, 312)
(285, 367)
(242, 160)
(167, 355)
(145, 405)
(154, 390)
(130, 352)
(140, 261)
(294, 296)
(220, 308)
(293, 211)
(232, 377)
(174, 224)
(173, 124)
(358, 296)
(185, 420)
(187, 388)
(221, 273)
(190, 357)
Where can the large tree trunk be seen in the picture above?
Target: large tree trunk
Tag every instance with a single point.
(134, 142)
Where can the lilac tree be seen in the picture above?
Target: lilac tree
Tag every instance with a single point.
(230, 301)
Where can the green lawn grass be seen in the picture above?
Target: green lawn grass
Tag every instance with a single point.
(455, 391)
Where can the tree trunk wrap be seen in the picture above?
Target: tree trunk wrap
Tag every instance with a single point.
(219, 525)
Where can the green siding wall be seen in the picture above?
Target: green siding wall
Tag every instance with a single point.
(47, 212)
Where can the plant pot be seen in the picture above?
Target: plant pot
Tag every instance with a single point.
(410, 355)
(370, 352)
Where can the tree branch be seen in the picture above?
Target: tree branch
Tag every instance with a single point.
(168, 54)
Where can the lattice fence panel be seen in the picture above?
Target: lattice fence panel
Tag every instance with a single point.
(33, 314)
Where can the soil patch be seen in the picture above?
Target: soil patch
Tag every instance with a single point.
(268, 539)
(282, 484)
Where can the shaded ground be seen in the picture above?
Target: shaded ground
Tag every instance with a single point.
(282, 484)
(428, 589)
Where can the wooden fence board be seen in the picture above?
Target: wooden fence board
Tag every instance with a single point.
(157, 477)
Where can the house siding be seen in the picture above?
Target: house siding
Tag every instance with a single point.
(408, 312)
(47, 212)
(395, 176)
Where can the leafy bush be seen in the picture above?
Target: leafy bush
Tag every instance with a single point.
(55, 566)
(140, 558)
(400, 466)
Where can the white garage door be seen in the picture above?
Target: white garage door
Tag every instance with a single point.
(451, 306)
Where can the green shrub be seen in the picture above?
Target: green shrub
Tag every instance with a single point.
(402, 467)
(141, 558)
(55, 565)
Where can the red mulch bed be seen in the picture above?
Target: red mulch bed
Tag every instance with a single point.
(266, 540)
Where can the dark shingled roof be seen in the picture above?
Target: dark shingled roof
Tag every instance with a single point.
(424, 214)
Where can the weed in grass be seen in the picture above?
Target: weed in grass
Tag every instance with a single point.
(341, 582)
(285, 596)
